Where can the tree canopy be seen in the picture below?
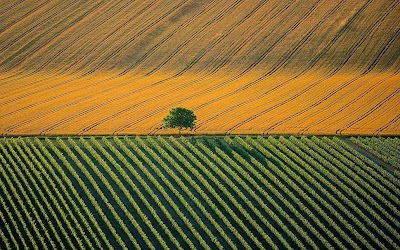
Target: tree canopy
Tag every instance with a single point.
(181, 118)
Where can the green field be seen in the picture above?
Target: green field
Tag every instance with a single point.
(387, 149)
(196, 193)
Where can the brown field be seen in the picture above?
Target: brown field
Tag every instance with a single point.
(244, 66)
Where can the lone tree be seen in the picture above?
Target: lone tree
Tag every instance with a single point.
(180, 118)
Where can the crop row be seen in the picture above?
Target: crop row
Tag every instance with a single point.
(189, 193)
(386, 149)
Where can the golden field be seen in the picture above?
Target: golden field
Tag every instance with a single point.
(244, 66)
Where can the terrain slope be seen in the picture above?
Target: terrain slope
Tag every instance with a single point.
(244, 66)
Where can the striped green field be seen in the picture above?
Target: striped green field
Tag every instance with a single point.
(387, 149)
(237, 192)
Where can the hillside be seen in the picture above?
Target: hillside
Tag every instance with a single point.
(244, 66)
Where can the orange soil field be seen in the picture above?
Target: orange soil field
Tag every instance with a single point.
(243, 66)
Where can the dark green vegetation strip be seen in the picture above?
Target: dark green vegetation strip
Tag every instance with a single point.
(387, 149)
(198, 192)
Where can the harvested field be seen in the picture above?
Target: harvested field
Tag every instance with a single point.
(244, 66)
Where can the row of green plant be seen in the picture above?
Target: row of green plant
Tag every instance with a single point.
(386, 148)
(199, 192)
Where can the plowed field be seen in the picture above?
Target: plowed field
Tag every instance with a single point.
(244, 66)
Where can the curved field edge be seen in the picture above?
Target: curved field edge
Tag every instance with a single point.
(207, 192)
